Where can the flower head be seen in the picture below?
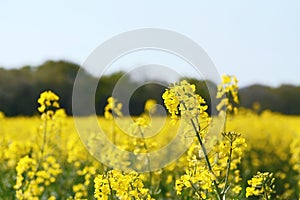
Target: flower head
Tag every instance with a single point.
(228, 93)
(48, 101)
(112, 108)
(261, 184)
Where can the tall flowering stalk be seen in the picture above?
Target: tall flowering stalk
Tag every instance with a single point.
(227, 92)
(35, 174)
(48, 105)
(209, 179)
(181, 98)
(140, 144)
(113, 109)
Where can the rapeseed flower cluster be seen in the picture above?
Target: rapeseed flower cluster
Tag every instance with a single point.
(199, 179)
(81, 189)
(112, 108)
(181, 99)
(31, 180)
(121, 185)
(25, 174)
(48, 101)
(227, 92)
(262, 185)
(150, 106)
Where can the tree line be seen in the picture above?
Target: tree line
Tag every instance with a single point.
(20, 89)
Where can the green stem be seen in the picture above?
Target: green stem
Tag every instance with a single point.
(265, 191)
(227, 169)
(195, 189)
(43, 145)
(148, 159)
(206, 159)
(111, 191)
(205, 153)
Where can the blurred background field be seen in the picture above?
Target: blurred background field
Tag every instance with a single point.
(273, 145)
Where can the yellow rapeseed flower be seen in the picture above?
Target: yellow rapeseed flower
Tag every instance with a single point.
(48, 101)
(112, 108)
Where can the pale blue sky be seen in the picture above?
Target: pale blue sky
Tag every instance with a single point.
(258, 41)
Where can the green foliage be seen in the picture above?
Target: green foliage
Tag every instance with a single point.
(284, 99)
(19, 89)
